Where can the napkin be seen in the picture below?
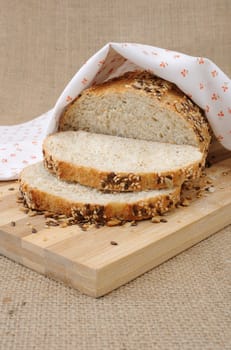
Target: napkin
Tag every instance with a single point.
(198, 77)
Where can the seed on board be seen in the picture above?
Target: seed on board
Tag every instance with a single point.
(113, 222)
(163, 220)
(155, 220)
(52, 222)
(20, 201)
(210, 189)
(32, 213)
(38, 212)
(185, 203)
(33, 230)
(113, 243)
(25, 210)
(19, 196)
(134, 223)
(47, 214)
(13, 223)
(11, 189)
(62, 216)
(199, 194)
(209, 181)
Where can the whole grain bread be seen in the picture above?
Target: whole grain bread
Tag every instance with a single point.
(45, 192)
(139, 105)
(112, 163)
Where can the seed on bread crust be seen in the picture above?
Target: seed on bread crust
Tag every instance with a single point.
(75, 204)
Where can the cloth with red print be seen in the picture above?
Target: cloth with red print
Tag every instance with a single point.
(197, 77)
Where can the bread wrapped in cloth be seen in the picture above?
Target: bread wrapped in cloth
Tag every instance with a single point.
(156, 138)
(139, 105)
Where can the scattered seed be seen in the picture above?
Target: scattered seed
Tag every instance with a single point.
(32, 213)
(113, 222)
(47, 214)
(13, 223)
(11, 189)
(52, 222)
(113, 243)
(39, 212)
(20, 197)
(20, 201)
(163, 220)
(134, 223)
(210, 189)
(25, 210)
(155, 220)
(185, 202)
(33, 230)
(209, 181)
(62, 217)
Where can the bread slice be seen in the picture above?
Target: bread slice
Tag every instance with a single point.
(115, 163)
(139, 105)
(43, 191)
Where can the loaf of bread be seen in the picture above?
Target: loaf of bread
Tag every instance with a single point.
(113, 163)
(137, 136)
(43, 191)
(139, 105)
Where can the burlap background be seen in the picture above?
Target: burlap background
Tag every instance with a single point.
(184, 303)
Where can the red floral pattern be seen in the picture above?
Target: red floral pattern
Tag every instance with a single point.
(198, 77)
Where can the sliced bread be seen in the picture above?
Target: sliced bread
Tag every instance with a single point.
(113, 163)
(43, 191)
(139, 105)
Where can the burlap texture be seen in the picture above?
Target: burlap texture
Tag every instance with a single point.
(182, 304)
(44, 42)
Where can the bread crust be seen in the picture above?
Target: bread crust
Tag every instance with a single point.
(119, 181)
(164, 93)
(36, 199)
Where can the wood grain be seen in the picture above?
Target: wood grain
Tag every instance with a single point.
(88, 261)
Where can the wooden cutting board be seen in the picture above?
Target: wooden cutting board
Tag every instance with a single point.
(88, 261)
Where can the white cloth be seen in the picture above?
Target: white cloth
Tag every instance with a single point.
(198, 77)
